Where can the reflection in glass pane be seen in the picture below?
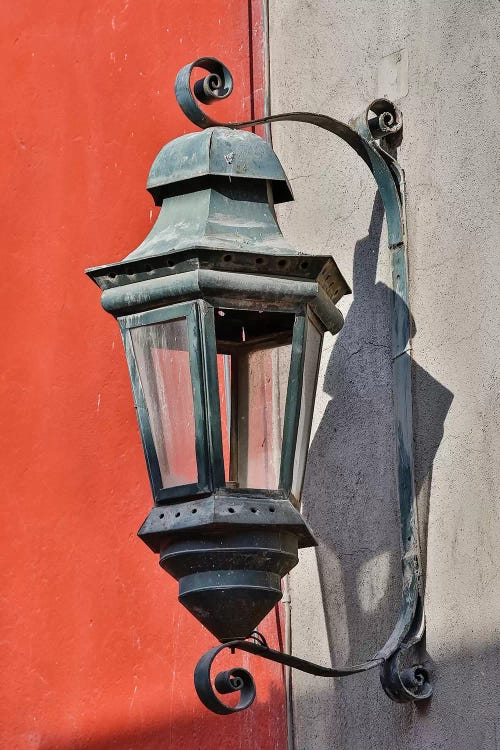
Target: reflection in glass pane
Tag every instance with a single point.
(253, 358)
(162, 355)
(311, 364)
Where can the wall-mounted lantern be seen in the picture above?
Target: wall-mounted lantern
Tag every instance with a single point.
(222, 322)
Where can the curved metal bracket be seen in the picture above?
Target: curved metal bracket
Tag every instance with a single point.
(401, 685)
(381, 121)
(361, 137)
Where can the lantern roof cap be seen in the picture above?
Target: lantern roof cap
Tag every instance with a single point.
(220, 152)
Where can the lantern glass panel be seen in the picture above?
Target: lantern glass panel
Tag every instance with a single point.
(162, 355)
(253, 358)
(312, 355)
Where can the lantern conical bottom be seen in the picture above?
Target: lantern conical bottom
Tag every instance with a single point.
(232, 580)
(230, 603)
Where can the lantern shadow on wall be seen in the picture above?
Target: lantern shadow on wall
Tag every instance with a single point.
(222, 322)
(358, 553)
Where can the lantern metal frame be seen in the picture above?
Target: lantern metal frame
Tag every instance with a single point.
(199, 316)
(374, 136)
(207, 441)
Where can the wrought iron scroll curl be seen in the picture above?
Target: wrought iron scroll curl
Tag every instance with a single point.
(232, 680)
(374, 135)
(228, 681)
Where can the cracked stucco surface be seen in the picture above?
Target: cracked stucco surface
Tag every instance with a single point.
(325, 57)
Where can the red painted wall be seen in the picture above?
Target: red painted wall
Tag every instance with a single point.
(96, 651)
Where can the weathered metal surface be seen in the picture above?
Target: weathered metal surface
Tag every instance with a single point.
(231, 579)
(362, 135)
(238, 290)
(410, 626)
(220, 152)
(250, 510)
(216, 218)
(232, 279)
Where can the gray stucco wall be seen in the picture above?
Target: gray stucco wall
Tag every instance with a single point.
(331, 57)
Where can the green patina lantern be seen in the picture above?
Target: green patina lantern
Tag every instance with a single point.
(222, 322)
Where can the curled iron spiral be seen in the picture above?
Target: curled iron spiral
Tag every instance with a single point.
(228, 681)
